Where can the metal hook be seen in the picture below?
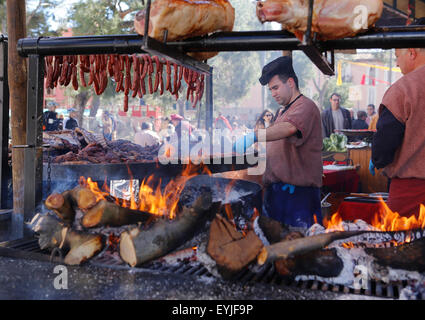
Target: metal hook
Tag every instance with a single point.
(56, 252)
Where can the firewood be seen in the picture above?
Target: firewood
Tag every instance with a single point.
(62, 205)
(286, 249)
(409, 256)
(54, 234)
(231, 250)
(106, 213)
(84, 197)
(138, 246)
(323, 263)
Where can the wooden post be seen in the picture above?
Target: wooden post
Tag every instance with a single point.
(17, 74)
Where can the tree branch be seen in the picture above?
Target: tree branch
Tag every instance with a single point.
(32, 14)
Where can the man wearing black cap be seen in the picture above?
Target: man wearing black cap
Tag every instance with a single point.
(293, 174)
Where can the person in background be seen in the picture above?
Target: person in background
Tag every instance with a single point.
(163, 130)
(109, 127)
(294, 168)
(352, 115)
(181, 125)
(71, 122)
(370, 113)
(51, 121)
(238, 131)
(398, 144)
(373, 122)
(147, 137)
(264, 120)
(360, 122)
(222, 122)
(335, 117)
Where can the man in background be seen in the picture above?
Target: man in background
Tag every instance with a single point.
(71, 122)
(360, 122)
(147, 137)
(335, 117)
(370, 113)
(51, 121)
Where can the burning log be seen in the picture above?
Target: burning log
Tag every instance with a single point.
(231, 250)
(323, 263)
(106, 213)
(286, 249)
(408, 256)
(54, 234)
(62, 205)
(138, 246)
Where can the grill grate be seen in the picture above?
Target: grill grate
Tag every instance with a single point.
(267, 274)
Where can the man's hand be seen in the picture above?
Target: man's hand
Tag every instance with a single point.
(371, 168)
(244, 143)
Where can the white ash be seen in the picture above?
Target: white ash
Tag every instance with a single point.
(415, 290)
(357, 261)
(359, 266)
(209, 263)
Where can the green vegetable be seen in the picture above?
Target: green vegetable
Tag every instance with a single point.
(335, 143)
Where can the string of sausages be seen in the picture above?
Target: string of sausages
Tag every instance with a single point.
(129, 73)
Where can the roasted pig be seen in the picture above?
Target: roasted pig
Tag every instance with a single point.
(332, 19)
(186, 19)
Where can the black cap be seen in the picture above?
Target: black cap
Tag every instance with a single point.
(281, 65)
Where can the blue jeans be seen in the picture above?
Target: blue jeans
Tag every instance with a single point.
(296, 209)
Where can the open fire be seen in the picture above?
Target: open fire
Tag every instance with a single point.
(136, 232)
(155, 200)
(384, 220)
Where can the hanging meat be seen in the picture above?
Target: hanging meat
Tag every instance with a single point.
(332, 19)
(186, 19)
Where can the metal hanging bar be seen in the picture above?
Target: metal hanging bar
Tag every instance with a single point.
(308, 46)
(155, 47)
(383, 38)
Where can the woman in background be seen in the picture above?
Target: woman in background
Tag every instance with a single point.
(265, 120)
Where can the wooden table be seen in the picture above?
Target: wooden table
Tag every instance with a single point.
(368, 183)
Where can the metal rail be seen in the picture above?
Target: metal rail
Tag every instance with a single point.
(383, 38)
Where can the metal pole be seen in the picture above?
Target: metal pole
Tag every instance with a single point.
(384, 38)
(209, 106)
(390, 75)
(33, 165)
(5, 173)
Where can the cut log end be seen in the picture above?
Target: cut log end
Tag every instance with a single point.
(55, 201)
(85, 198)
(84, 251)
(127, 250)
(93, 217)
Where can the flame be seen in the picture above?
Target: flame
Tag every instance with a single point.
(383, 220)
(149, 198)
(255, 214)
